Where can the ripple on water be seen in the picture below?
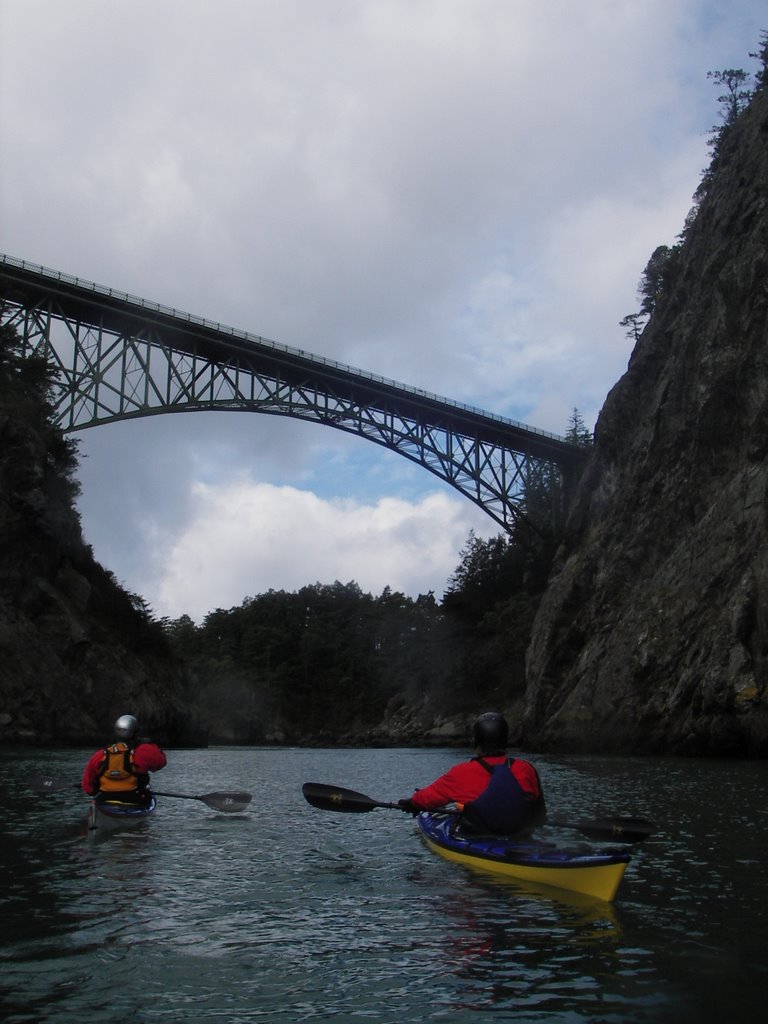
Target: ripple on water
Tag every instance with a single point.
(305, 916)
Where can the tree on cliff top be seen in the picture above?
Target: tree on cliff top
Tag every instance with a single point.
(733, 101)
(25, 387)
(38, 467)
(761, 76)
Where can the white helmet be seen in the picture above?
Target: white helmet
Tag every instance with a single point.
(125, 727)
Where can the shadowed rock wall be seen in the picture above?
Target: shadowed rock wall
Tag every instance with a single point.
(653, 633)
(74, 650)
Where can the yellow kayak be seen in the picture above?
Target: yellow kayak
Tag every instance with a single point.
(593, 873)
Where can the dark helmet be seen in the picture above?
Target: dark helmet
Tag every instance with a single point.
(125, 727)
(490, 733)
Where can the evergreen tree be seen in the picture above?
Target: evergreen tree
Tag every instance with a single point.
(761, 75)
(732, 102)
(734, 99)
(653, 279)
(634, 323)
(26, 382)
(577, 432)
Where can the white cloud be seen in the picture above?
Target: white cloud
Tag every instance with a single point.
(245, 538)
(458, 194)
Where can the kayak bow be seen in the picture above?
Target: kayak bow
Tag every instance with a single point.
(592, 873)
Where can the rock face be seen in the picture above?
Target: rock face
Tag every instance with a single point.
(653, 633)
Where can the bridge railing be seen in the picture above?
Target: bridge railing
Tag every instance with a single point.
(191, 318)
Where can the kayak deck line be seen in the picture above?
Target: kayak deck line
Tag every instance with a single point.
(597, 874)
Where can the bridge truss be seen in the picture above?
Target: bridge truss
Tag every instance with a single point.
(120, 357)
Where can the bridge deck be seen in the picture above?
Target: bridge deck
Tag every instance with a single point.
(122, 313)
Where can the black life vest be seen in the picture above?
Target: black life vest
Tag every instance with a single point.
(503, 808)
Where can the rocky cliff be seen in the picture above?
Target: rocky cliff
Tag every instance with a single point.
(653, 633)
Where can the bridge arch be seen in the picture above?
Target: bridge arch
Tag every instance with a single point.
(120, 357)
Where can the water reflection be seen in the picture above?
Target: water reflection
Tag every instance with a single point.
(515, 946)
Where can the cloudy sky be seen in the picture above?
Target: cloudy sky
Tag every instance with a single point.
(457, 194)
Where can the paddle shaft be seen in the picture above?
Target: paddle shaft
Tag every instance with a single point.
(336, 798)
(229, 803)
(617, 829)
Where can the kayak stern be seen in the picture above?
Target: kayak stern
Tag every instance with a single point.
(108, 816)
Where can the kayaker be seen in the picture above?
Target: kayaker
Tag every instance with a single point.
(121, 771)
(495, 793)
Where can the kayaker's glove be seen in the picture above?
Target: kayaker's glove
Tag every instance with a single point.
(408, 806)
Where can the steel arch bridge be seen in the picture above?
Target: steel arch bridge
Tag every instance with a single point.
(120, 357)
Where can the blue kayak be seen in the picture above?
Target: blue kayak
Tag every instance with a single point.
(109, 815)
(593, 873)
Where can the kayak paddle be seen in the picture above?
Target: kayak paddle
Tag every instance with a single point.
(230, 803)
(619, 829)
(45, 784)
(334, 798)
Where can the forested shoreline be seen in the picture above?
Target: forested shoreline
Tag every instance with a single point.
(331, 662)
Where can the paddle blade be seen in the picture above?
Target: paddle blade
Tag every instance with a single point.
(622, 830)
(335, 798)
(230, 803)
(46, 784)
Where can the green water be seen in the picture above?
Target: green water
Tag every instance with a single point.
(288, 913)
